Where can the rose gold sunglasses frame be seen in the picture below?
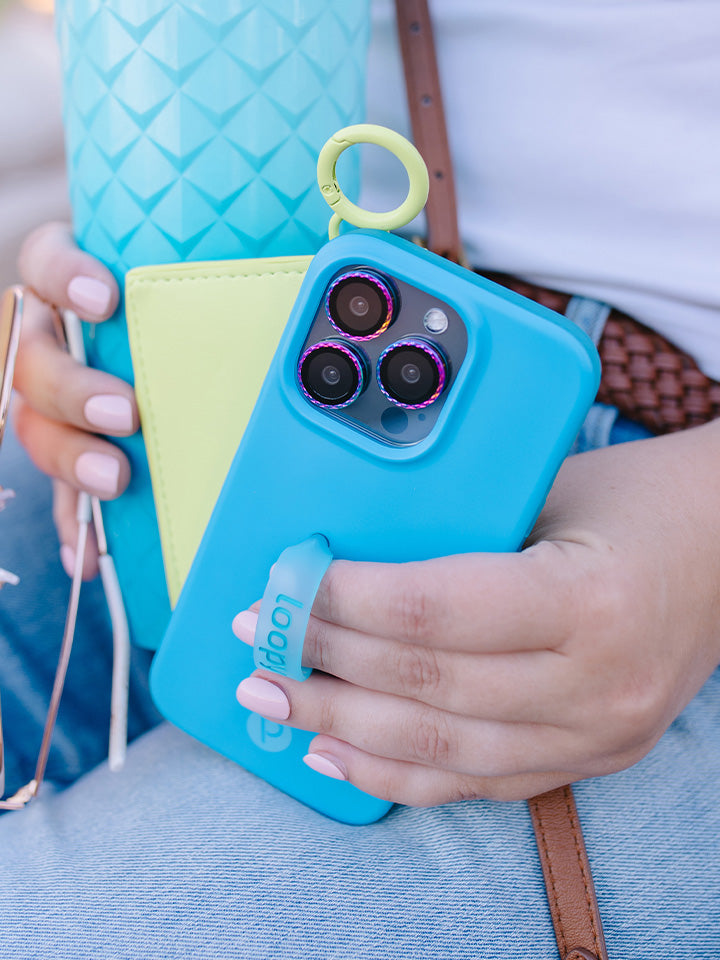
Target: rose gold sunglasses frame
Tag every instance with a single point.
(88, 511)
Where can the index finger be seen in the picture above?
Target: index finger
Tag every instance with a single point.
(468, 603)
(60, 273)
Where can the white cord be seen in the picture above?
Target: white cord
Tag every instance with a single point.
(121, 663)
(117, 748)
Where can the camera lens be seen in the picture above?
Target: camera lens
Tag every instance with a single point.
(412, 373)
(360, 304)
(331, 374)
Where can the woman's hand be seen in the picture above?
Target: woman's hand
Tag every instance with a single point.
(503, 676)
(62, 406)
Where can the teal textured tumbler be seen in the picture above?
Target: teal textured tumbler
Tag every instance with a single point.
(192, 133)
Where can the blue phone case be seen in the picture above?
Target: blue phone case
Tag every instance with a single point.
(476, 483)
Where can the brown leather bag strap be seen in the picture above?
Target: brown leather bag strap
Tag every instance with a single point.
(565, 865)
(427, 116)
(568, 880)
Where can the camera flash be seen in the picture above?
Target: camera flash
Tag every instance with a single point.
(435, 321)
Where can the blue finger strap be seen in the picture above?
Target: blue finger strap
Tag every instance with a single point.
(286, 606)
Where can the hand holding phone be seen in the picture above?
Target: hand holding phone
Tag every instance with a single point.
(412, 411)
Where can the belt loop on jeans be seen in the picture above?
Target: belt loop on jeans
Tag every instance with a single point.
(590, 315)
(596, 429)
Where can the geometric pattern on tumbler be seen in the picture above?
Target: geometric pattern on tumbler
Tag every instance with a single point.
(192, 133)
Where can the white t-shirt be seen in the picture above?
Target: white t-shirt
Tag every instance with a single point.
(586, 144)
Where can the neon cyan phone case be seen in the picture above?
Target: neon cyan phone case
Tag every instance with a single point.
(476, 483)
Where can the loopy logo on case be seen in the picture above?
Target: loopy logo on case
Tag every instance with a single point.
(267, 734)
(273, 651)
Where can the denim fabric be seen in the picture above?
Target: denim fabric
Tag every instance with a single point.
(590, 315)
(185, 855)
(623, 431)
(597, 429)
(32, 617)
(602, 426)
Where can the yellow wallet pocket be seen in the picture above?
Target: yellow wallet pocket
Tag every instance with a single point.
(202, 336)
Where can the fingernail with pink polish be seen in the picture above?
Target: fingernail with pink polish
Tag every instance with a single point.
(90, 296)
(326, 765)
(264, 698)
(67, 559)
(109, 412)
(244, 626)
(98, 471)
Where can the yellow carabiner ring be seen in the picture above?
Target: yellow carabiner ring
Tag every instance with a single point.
(344, 209)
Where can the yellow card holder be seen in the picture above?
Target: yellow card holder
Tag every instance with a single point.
(202, 336)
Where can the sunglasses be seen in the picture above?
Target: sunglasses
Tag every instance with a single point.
(88, 512)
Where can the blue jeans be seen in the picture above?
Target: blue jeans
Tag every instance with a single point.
(184, 854)
(32, 617)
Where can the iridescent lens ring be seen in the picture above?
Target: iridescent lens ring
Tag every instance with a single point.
(350, 354)
(437, 359)
(377, 281)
